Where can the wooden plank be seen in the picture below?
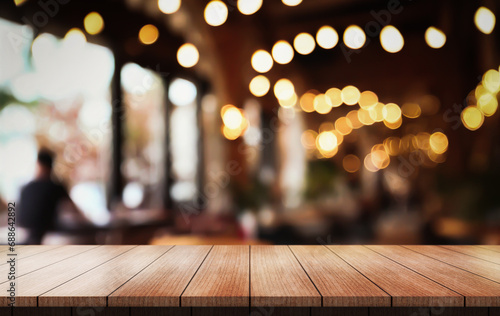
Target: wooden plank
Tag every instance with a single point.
(477, 252)
(407, 288)
(222, 280)
(31, 285)
(92, 288)
(339, 283)
(160, 311)
(161, 283)
(28, 251)
(277, 279)
(475, 265)
(477, 290)
(491, 247)
(43, 259)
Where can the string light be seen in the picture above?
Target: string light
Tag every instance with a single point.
(304, 43)
(259, 86)
(327, 37)
(354, 37)
(262, 61)
(391, 39)
(434, 37)
(169, 6)
(292, 3)
(93, 23)
(282, 52)
(216, 13)
(188, 55)
(148, 34)
(249, 7)
(485, 20)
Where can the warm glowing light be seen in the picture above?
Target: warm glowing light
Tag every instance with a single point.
(392, 145)
(487, 104)
(292, 3)
(304, 43)
(282, 52)
(411, 110)
(369, 163)
(232, 117)
(491, 81)
(75, 38)
(188, 55)
(335, 96)
(308, 139)
(93, 23)
(169, 6)
(321, 104)
(283, 89)
(326, 141)
(354, 119)
(472, 118)
(351, 163)
(391, 39)
(485, 20)
(326, 127)
(391, 113)
(343, 125)
(327, 37)
(368, 100)
(434, 37)
(380, 159)
(148, 34)
(438, 142)
(216, 13)
(394, 125)
(231, 134)
(376, 113)
(350, 95)
(288, 103)
(364, 117)
(307, 102)
(262, 61)
(423, 141)
(259, 86)
(249, 7)
(354, 37)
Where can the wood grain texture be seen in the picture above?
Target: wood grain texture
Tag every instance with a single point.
(31, 285)
(478, 252)
(161, 283)
(42, 259)
(475, 265)
(277, 279)
(93, 287)
(28, 251)
(491, 247)
(222, 280)
(406, 287)
(478, 291)
(338, 282)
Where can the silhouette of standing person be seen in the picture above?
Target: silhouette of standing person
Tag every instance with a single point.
(39, 200)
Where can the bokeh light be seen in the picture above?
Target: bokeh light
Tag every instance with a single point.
(291, 3)
(326, 141)
(327, 37)
(284, 89)
(350, 95)
(282, 52)
(391, 113)
(335, 96)
(249, 7)
(488, 104)
(232, 117)
(304, 43)
(351, 163)
(368, 100)
(485, 20)
(169, 6)
(307, 102)
(491, 81)
(434, 37)
(391, 39)
(472, 118)
(321, 104)
(343, 125)
(259, 86)
(411, 110)
(93, 23)
(354, 37)
(148, 34)
(188, 55)
(262, 61)
(216, 13)
(438, 142)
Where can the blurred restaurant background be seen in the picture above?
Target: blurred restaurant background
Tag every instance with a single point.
(256, 121)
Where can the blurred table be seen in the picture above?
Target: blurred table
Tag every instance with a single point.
(290, 280)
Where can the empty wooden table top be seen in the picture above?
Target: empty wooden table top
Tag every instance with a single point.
(246, 276)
